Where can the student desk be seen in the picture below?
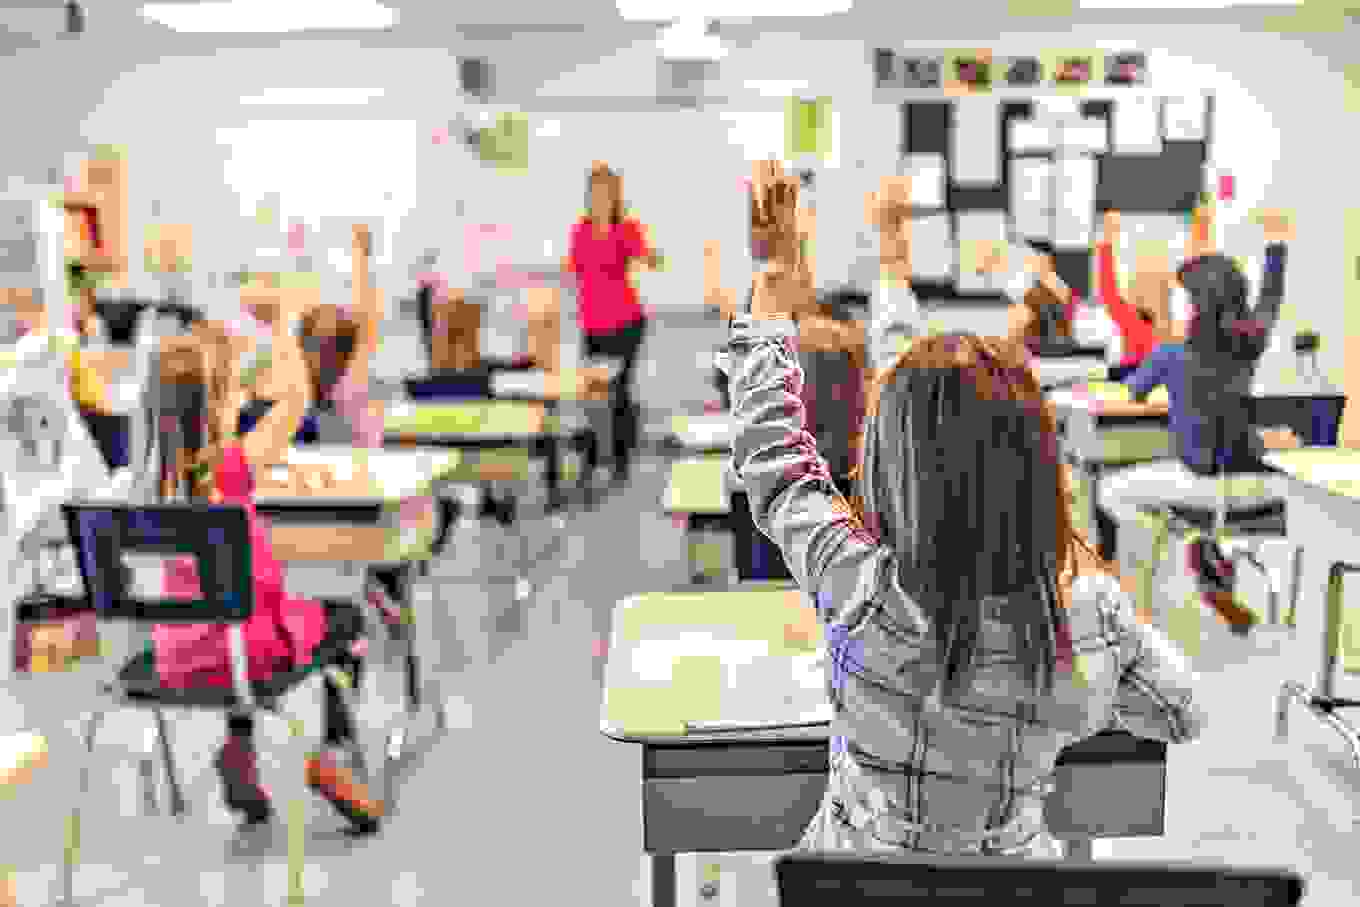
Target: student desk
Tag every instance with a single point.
(499, 436)
(379, 511)
(698, 491)
(1058, 371)
(711, 433)
(729, 706)
(1323, 504)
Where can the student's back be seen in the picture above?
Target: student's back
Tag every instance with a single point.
(964, 656)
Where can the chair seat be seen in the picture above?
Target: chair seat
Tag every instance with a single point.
(1261, 517)
(139, 683)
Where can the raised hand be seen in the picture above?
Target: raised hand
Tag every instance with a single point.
(1111, 225)
(1278, 225)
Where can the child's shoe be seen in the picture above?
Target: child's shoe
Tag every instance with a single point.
(333, 780)
(236, 767)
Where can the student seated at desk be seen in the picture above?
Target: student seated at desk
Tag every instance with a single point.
(1145, 321)
(973, 632)
(283, 630)
(1208, 382)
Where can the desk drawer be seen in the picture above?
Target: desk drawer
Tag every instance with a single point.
(723, 813)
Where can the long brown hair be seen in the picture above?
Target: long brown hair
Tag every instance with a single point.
(1036, 299)
(960, 476)
(203, 358)
(330, 337)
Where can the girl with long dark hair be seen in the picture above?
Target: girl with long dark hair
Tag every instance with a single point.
(972, 633)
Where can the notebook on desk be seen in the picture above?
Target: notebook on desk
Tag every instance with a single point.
(856, 880)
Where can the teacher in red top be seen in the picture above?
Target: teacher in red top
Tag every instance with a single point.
(605, 247)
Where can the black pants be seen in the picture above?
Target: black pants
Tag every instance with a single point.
(724, 386)
(623, 344)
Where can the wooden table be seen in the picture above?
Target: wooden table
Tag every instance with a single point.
(728, 701)
(1323, 501)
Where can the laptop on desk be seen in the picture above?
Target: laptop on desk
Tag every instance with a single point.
(861, 880)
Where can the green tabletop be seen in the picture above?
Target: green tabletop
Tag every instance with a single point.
(681, 657)
(698, 485)
(1336, 469)
(471, 418)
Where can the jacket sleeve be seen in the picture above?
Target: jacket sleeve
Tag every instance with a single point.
(1149, 376)
(793, 502)
(1132, 328)
(1155, 697)
(1251, 335)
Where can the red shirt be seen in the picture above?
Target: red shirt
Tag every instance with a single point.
(606, 298)
(1139, 337)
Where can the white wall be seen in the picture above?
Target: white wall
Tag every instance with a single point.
(1279, 129)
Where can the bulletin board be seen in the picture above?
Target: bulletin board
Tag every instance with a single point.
(996, 152)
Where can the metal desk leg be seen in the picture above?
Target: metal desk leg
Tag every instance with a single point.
(1324, 704)
(1079, 850)
(663, 880)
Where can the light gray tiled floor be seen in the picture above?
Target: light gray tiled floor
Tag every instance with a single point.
(525, 802)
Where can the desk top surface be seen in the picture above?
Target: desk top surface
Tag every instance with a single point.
(1335, 469)
(698, 485)
(465, 417)
(744, 657)
(707, 431)
(361, 476)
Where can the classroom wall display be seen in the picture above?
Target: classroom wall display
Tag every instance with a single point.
(1054, 162)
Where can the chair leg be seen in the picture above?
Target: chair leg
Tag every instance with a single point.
(1294, 579)
(71, 850)
(177, 807)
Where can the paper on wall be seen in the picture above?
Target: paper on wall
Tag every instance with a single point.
(1031, 197)
(932, 247)
(1135, 126)
(1184, 118)
(1086, 136)
(1074, 186)
(1031, 135)
(927, 179)
(974, 138)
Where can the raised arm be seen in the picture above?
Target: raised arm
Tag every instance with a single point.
(367, 307)
(1122, 314)
(715, 294)
(793, 501)
(1254, 332)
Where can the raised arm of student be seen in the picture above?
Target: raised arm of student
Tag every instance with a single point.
(367, 308)
(1251, 335)
(1136, 332)
(793, 501)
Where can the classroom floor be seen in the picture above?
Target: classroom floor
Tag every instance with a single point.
(525, 801)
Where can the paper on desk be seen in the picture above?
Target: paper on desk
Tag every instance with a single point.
(654, 659)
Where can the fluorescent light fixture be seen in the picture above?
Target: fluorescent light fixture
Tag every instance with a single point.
(670, 10)
(776, 88)
(271, 16)
(277, 97)
(688, 39)
(1127, 5)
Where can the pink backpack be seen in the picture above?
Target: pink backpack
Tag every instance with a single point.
(282, 632)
